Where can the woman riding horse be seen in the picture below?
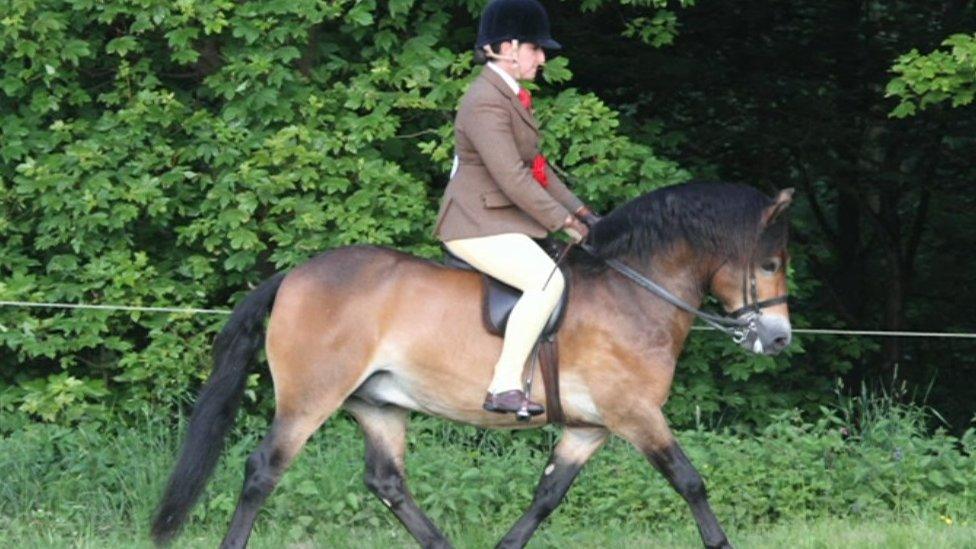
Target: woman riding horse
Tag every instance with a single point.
(380, 333)
(501, 194)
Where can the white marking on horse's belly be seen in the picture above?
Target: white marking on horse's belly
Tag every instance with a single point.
(385, 389)
(577, 402)
(550, 468)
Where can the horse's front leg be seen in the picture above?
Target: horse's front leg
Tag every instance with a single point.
(650, 433)
(569, 456)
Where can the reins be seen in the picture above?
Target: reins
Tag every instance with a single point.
(737, 325)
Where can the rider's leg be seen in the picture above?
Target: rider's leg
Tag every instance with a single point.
(525, 323)
(518, 261)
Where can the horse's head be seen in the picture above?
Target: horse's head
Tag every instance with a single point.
(730, 236)
(754, 287)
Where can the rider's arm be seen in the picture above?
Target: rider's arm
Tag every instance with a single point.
(561, 192)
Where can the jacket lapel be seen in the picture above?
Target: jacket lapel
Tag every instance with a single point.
(503, 88)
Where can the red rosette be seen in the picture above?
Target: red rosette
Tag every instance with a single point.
(539, 170)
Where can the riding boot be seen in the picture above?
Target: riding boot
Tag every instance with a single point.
(511, 402)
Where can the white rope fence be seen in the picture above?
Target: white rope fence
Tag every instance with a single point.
(195, 311)
(872, 333)
(40, 305)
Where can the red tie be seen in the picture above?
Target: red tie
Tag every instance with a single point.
(525, 98)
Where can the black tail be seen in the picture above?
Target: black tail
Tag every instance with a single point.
(216, 408)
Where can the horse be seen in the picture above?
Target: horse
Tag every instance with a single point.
(381, 333)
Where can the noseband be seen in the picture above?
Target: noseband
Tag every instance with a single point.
(740, 324)
(750, 300)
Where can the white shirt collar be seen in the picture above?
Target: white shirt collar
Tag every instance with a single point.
(505, 76)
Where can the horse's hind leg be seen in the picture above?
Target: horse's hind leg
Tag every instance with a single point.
(572, 452)
(385, 429)
(652, 436)
(264, 468)
(305, 397)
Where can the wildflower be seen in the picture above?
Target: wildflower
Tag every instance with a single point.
(946, 519)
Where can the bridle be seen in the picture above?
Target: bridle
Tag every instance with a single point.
(741, 324)
(751, 299)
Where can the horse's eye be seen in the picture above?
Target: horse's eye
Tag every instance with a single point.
(771, 265)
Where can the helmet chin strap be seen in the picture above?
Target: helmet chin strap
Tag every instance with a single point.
(513, 58)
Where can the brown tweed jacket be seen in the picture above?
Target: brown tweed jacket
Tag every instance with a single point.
(493, 191)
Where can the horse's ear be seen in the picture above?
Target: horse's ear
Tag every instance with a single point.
(780, 203)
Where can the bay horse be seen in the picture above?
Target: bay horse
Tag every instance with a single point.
(381, 333)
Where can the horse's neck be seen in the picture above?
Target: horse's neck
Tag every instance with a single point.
(681, 271)
(684, 274)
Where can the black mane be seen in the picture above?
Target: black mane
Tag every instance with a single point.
(716, 218)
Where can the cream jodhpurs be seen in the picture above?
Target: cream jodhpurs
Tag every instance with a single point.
(518, 261)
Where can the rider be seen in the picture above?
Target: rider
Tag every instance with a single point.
(502, 194)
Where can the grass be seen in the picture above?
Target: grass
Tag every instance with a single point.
(828, 533)
(887, 483)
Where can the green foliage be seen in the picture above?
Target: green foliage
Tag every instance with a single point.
(607, 168)
(659, 30)
(175, 153)
(943, 75)
(59, 397)
(868, 458)
(648, 20)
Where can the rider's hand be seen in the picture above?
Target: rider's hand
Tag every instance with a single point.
(586, 215)
(576, 230)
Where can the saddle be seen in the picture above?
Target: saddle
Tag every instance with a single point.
(497, 303)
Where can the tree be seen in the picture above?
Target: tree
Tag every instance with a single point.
(165, 153)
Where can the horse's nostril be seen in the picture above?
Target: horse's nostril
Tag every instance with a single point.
(781, 342)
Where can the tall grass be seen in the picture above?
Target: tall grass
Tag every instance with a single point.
(868, 457)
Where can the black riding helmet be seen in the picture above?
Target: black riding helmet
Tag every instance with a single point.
(522, 20)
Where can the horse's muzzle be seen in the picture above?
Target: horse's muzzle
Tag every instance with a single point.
(769, 335)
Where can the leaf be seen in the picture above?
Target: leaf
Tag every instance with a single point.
(121, 45)
(400, 7)
(557, 70)
(360, 15)
(937, 478)
(904, 109)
